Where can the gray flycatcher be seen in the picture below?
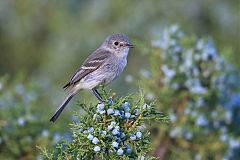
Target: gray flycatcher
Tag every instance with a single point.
(101, 67)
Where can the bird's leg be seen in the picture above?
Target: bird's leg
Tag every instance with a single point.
(96, 93)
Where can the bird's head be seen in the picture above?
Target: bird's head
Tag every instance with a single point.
(117, 43)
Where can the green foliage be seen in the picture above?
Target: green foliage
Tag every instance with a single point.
(116, 129)
(23, 120)
(193, 83)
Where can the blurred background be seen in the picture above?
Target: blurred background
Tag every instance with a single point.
(43, 42)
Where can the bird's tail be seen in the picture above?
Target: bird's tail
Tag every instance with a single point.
(61, 107)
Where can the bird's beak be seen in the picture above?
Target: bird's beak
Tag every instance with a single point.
(129, 45)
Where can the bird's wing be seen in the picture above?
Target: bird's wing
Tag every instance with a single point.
(92, 63)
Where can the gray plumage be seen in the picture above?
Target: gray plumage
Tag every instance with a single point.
(101, 67)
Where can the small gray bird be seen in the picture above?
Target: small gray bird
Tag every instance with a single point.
(101, 67)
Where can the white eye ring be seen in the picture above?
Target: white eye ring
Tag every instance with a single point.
(116, 43)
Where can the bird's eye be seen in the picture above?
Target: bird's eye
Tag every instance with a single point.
(116, 43)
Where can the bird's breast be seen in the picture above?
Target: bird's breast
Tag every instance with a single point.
(122, 64)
